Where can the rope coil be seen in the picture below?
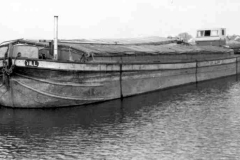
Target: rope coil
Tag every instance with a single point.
(7, 71)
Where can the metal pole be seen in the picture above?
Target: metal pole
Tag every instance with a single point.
(55, 37)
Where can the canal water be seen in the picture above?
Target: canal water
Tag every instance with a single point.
(192, 122)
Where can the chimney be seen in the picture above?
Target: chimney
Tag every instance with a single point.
(55, 37)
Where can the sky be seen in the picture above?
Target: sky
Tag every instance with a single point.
(94, 19)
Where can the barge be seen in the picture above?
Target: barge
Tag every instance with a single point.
(46, 74)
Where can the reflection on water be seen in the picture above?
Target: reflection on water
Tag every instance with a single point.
(189, 122)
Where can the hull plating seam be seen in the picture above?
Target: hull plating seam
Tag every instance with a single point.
(61, 84)
(60, 97)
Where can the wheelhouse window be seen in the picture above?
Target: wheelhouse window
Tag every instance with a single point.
(214, 33)
(200, 33)
(223, 33)
(207, 33)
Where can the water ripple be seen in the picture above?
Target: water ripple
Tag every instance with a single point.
(195, 122)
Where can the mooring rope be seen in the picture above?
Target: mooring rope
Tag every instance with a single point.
(8, 71)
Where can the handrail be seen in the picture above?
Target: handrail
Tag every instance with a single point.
(10, 41)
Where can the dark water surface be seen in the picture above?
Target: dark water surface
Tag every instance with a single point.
(190, 122)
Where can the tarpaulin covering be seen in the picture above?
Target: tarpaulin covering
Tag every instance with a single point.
(173, 48)
(154, 45)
